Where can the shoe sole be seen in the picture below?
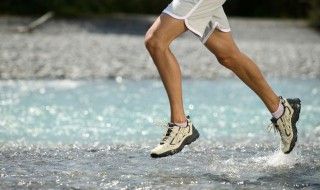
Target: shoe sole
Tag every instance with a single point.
(187, 141)
(296, 106)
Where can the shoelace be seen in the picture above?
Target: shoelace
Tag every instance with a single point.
(274, 127)
(166, 133)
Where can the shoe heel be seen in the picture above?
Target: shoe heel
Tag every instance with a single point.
(193, 137)
(296, 106)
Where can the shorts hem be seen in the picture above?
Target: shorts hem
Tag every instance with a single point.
(185, 18)
(216, 25)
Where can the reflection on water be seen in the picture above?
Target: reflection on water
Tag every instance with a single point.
(98, 134)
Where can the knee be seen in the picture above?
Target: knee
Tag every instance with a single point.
(154, 43)
(230, 60)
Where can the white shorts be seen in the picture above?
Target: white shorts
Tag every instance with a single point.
(200, 16)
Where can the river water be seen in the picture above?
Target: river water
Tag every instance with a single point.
(97, 134)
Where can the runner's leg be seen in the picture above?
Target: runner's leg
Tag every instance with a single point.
(158, 38)
(222, 45)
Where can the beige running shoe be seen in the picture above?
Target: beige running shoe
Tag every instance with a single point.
(175, 138)
(286, 124)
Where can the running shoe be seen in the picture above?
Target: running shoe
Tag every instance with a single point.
(286, 124)
(175, 138)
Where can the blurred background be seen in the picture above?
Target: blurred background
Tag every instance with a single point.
(76, 41)
(307, 9)
(73, 41)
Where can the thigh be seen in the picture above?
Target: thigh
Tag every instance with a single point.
(166, 28)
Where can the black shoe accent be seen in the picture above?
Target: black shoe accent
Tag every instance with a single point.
(296, 106)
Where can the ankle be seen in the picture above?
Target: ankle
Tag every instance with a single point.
(279, 112)
(179, 120)
(184, 124)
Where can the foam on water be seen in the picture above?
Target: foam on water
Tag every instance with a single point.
(279, 159)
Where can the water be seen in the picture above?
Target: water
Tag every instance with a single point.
(74, 134)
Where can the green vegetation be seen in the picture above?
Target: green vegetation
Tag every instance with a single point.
(247, 8)
(81, 7)
(271, 8)
(314, 13)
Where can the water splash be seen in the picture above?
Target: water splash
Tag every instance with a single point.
(279, 159)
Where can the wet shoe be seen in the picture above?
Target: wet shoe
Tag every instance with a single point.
(286, 124)
(174, 139)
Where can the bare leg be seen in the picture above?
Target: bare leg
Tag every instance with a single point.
(158, 38)
(222, 45)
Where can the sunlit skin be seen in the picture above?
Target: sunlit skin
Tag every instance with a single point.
(166, 28)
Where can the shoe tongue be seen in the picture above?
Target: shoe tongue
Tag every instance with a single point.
(273, 120)
(171, 125)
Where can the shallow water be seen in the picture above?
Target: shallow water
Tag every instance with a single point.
(69, 134)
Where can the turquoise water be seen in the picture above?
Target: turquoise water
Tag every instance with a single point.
(69, 134)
